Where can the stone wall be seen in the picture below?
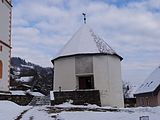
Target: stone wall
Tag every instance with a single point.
(18, 99)
(78, 97)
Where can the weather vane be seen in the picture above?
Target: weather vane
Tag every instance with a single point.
(84, 17)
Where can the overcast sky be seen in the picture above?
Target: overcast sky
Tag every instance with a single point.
(132, 29)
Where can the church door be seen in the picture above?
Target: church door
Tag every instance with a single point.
(86, 82)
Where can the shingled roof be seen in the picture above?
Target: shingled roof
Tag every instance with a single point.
(151, 84)
(85, 41)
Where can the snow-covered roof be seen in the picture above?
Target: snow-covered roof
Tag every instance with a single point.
(34, 93)
(25, 79)
(27, 66)
(85, 41)
(18, 92)
(151, 83)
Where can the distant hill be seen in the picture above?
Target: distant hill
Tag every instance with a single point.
(39, 78)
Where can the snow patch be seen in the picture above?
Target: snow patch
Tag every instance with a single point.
(10, 111)
(18, 92)
(25, 79)
(69, 105)
(37, 113)
(34, 93)
(27, 66)
(136, 113)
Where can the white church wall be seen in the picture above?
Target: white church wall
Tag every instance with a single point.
(83, 64)
(100, 69)
(5, 31)
(115, 81)
(100, 72)
(5, 22)
(4, 57)
(107, 76)
(64, 74)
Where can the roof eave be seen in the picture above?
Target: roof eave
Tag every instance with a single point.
(87, 54)
(121, 58)
(143, 94)
(154, 92)
(9, 3)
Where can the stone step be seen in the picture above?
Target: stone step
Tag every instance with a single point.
(40, 100)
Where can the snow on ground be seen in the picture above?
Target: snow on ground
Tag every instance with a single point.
(21, 92)
(10, 111)
(123, 114)
(88, 115)
(37, 113)
(68, 105)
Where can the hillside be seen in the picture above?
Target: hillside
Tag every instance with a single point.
(37, 77)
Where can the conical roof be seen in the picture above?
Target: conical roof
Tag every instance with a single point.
(85, 41)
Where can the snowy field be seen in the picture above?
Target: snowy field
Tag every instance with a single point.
(66, 111)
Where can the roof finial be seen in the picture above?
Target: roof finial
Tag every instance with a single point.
(84, 17)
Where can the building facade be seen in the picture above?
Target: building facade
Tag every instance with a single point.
(148, 94)
(5, 44)
(87, 62)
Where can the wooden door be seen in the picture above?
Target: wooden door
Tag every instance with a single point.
(86, 82)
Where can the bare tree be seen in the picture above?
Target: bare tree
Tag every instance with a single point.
(127, 89)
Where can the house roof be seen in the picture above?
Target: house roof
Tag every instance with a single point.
(85, 41)
(151, 83)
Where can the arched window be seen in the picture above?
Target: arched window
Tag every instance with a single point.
(1, 69)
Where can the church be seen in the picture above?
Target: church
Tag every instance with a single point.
(88, 65)
(5, 44)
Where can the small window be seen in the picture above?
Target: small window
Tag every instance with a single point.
(86, 82)
(1, 69)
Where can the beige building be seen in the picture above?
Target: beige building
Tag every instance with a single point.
(88, 63)
(148, 94)
(5, 44)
